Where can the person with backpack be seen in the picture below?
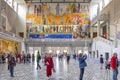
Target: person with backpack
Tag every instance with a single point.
(38, 60)
(107, 64)
(12, 63)
(101, 61)
(82, 64)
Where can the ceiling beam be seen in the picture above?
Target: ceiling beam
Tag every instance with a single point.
(51, 1)
(57, 2)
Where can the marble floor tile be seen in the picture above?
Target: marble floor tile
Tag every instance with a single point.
(63, 71)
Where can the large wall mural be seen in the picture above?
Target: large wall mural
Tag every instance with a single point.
(7, 46)
(57, 18)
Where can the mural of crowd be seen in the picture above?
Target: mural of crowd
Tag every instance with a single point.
(52, 16)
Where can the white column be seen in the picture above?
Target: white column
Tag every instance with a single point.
(108, 25)
(115, 35)
(23, 47)
(72, 50)
(107, 29)
(98, 28)
(0, 15)
(43, 49)
(91, 33)
(98, 21)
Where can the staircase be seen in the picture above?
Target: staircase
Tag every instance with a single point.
(102, 46)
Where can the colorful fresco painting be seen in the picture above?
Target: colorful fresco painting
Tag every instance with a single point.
(49, 18)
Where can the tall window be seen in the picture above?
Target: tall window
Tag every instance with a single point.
(107, 2)
(15, 6)
(93, 11)
(10, 2)
(101, 5)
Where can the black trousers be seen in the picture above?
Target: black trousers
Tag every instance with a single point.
(81, 73)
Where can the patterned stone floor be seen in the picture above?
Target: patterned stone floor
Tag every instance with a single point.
(63, 71)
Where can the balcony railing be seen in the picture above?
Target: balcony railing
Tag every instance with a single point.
(10, 35)
(59, 42)
(104, 40)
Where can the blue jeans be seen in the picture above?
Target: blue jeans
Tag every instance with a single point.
(81, 73)
(115, 74)
(11, 68)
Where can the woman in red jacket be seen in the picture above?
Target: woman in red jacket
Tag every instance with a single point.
(114, 66)
(49, 65)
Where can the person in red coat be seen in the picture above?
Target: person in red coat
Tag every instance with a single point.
(49, 65)
(114, 66)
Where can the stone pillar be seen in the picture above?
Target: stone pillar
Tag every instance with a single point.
(101, 31)
(115, 35)
(24, 47)
(91, 32)
(43, 50)
(72, 50)
(0, 15)
(107, 30)
(108, 25)
(98, 21)
(98, 28)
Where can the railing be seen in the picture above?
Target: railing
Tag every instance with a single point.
(118, 41)
(57, 40)
(104, 40)
(60, 42)
(10, 35)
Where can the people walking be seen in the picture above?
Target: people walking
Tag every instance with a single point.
(101, 61)
(113, 64)
(33, 58)
(12, 63)
(38, 60)
(82, 64)
(49, 65)
(107, 64)
(68, 58)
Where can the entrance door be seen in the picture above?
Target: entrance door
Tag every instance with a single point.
(106, 55)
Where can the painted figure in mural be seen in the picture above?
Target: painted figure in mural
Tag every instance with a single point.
(44, 19)
(48, 11)
(75, 35)
(35, 8)
(73, 8)
(84, 29)
(57, 9)
(35, 29)
(38, 10)
(78, 7)
(41, 36)
(68, 9)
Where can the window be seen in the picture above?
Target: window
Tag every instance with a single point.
(15, 6)
(9, 2)
(107, 2)
(101, 6)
